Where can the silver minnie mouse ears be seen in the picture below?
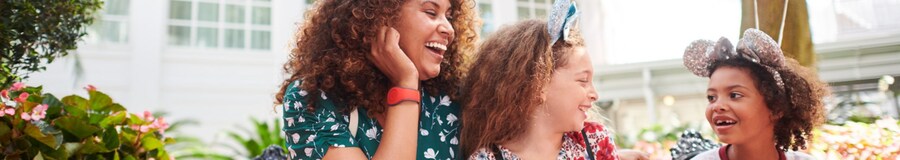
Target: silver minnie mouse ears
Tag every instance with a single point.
(755, 46)
(562, 18)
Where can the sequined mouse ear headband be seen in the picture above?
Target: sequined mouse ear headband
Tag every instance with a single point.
(562, 18)
(756, 46)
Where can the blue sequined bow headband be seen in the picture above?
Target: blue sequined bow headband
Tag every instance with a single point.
(562, 17)
(756, 46)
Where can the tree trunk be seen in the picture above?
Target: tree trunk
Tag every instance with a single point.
(797, 42)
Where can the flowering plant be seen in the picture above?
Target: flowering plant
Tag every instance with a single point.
(854, 140)
(35, 125)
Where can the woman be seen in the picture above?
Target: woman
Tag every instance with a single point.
(534, 91)
(397, 62)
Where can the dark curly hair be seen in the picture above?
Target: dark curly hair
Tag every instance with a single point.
(799, 107)
(332, 43)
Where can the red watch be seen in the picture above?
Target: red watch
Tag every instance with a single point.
(398, 94)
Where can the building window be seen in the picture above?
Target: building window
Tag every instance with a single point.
(527, 9)
(179, 35)
(486, 11)
(112, 25)
(227, 24)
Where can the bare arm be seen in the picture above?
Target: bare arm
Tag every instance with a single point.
(399, 139)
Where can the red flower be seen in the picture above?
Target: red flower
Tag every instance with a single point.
(22, 97)
(591, 127)
(4, 94)
(577, 138)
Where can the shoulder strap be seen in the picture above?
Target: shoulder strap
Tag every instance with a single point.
(354, 122)
(498, 155)
(587, 145)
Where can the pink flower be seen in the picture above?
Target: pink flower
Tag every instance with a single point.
(140, 128)
(38, 113)
(160, 124)
(26, 117)
(22, 97)
(4, 94)
(148, 116)
(7, 111)
(90, 88)
(17, 86)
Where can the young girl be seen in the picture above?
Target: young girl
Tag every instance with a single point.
(762, 105)
(533, 99)
(529, 92)
(397, 62)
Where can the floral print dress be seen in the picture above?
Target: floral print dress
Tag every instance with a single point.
(308, 135)
(573, 147)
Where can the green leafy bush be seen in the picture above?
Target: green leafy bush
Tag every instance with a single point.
(36, 125)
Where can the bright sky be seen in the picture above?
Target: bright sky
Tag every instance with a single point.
(649, 30)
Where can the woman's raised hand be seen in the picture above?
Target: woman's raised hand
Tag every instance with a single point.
(391, 60)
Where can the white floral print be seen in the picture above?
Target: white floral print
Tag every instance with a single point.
(313, 131)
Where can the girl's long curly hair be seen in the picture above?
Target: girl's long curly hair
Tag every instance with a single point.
(505, 84)
(800, 105)
(331, 48)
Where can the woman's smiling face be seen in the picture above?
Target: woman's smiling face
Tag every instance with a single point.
(425, 33)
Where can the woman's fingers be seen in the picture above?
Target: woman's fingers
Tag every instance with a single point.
(379, 41)
(392, 38)
(387, 56)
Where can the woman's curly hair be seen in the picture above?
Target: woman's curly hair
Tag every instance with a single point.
(799, 107)
(505, 84)
(331, 48)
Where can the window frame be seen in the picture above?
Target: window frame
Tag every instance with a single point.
(222, 25)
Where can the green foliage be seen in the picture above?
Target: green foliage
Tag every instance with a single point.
(262, 135)
(35, 125)
(655, 133)
(188, 147)
(35, 32)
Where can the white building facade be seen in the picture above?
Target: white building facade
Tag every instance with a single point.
(218, 62)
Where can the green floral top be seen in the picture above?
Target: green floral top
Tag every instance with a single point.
(310, 134)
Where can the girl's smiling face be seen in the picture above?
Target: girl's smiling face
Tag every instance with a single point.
(570, 92)
(737, 110)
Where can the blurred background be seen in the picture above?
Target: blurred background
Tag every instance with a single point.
(216, 64)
